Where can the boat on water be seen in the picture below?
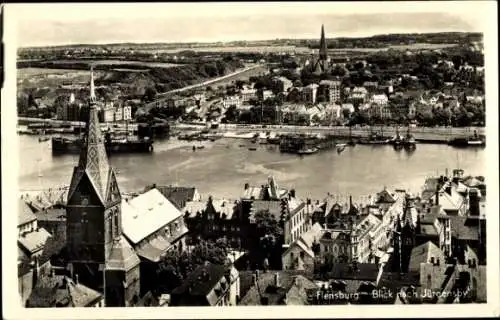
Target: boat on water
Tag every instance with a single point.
(474, 141)
(252, 148)
(375, 139)
(341, 147)
(43, 139)
(275, 140)
(397, 140)
(409, 141)
(113, 145)
(307, 151)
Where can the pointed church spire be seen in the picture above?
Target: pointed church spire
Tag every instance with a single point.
(93, 158)
(321, 64)
(92, 99)
(322, 45)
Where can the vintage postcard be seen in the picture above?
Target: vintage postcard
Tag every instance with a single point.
(215, 160)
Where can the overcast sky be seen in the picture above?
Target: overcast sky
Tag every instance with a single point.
(55, 24)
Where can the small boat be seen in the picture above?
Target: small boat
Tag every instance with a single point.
(341, 147)
(43, 139)
(307, 151)
(409, 141)
(275, 140)
(375, 139)
(252, 148)
(200, 147)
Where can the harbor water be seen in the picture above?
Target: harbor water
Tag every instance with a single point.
(222, 167)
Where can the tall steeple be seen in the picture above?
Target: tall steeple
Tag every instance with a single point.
(97, 250)
(93, 158)
(322, 45)
(321, 64)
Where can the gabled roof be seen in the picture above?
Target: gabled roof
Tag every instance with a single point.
(25, 214)
(250, 295)
(147, 213)
(460, 230)
(306, 240)
(361, 271)
(34, 241)
(385, 196)
(200, 283)
(423, 254)
(179, 196)
(195, 207)
(121, 256)
(61, 291)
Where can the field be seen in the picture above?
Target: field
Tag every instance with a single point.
(299, 50)
(53, 78)
(240, 76)
(117, 62)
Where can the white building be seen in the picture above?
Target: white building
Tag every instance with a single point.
(231, 101)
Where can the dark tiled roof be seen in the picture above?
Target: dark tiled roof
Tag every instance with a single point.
(51, 214)
(178, 195)
(250, 294)
(274, 207)
(422, 254)
(122, 256)
(365, 271)
(25, 214)
(460, 230)
(385, 197)
(60, 291)
(200, 282)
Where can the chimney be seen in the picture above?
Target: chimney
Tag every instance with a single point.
(36, 271)
(277, 280)
(247, 186)
(76, 279)
(473, 202)
(448, 189)
(292, 193)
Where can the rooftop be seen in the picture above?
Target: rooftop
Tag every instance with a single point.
(178, 195)
(359, 271)
(267, 285)
(423, 254)
(25, 214)
(61, 291)
(34, 241)
(51, 214)
(147, 213)
(200, 282)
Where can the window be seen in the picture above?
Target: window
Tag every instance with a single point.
(116, 224)
(110, 228)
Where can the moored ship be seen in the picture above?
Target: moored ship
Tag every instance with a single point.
(113, 145)
(474, 141)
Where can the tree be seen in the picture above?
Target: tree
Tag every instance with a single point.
(150, 94)
(175, 266)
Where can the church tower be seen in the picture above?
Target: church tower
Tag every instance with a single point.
(322, 64)
(97, 250)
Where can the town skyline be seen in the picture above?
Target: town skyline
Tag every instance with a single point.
(178, 24)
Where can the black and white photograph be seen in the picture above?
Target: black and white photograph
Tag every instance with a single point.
(299, 154)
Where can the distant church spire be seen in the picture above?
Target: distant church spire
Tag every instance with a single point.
(321, 64)
(322, 45)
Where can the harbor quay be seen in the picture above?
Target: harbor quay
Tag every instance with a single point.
(422, 134)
